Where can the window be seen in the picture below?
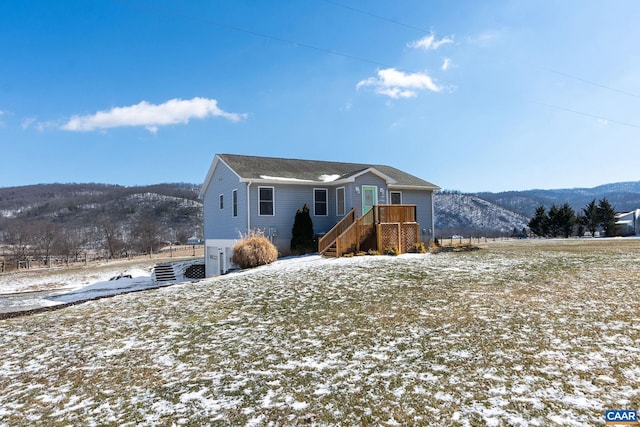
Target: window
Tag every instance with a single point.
(340, 201)
(234, 201)
(221, 201)
(320, 201)
(396, 197)
(265, 201)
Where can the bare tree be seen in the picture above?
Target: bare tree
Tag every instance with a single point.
(147, 234)
(46, 234)
(69, 245)
(112, 236)
(19, 238)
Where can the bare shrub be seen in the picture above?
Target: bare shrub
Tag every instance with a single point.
(417, 248)
(390, 250)
(254, 250)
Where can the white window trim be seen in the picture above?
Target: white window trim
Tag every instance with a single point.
(234, 203)
(273, 200)
(326, 201)
(344, 201)
(221, 202)
(390, 198)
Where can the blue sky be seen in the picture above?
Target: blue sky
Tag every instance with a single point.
(473, 96)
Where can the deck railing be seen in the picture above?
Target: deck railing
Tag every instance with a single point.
(395, 213)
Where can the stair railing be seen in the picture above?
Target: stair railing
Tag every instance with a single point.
(328, 239)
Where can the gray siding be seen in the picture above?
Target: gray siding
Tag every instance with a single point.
(287, 200)
(220, 223)
(423, 201)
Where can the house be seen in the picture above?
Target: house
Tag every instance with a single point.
(242, 193)
(629, 223)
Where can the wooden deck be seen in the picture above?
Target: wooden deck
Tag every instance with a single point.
(382, 227)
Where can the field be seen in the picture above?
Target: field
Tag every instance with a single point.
(518, 333)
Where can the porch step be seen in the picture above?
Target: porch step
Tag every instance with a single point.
(331, 251)
(165, 273)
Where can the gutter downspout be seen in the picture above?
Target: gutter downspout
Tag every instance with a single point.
(248, 207)
(433, 226)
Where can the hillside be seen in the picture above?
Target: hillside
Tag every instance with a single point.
(92, 212)
(469, 215)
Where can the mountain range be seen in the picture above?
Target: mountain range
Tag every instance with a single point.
(177, 210)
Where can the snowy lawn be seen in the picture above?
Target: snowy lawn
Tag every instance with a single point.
(38, 288)
(525, 333)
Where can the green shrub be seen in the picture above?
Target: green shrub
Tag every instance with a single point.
(254, 250)
(302, 233)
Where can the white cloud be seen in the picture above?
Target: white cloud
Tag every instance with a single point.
(397, 84)
(485, 39)
(430, 42)
(446, 64)
(151, 116)
(26, 123)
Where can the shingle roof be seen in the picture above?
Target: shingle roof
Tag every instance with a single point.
(252, 167)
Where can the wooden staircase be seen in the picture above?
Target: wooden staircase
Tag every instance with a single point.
(381, 227)
(331, 251)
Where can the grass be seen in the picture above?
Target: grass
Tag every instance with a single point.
(519, 333)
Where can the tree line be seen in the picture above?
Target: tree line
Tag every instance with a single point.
(562, 221)
(48, 241)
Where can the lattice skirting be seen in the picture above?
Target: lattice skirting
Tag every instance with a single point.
(401, 236)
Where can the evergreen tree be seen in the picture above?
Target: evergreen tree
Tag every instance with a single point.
(302, 232)
(580, 228)
(555, 221)
(567, 219)
(589, 217)
(607, 218)
(539, 224)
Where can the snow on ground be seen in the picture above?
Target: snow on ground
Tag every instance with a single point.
(529, 335)
(32, 289)
(66, 279)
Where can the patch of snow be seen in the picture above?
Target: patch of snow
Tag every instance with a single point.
(281, 178)
(328, 178)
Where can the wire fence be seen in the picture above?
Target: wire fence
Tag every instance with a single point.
(9, 263)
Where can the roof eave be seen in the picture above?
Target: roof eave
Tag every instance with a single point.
(413, 187)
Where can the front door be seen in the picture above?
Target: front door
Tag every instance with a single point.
(369, 197)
